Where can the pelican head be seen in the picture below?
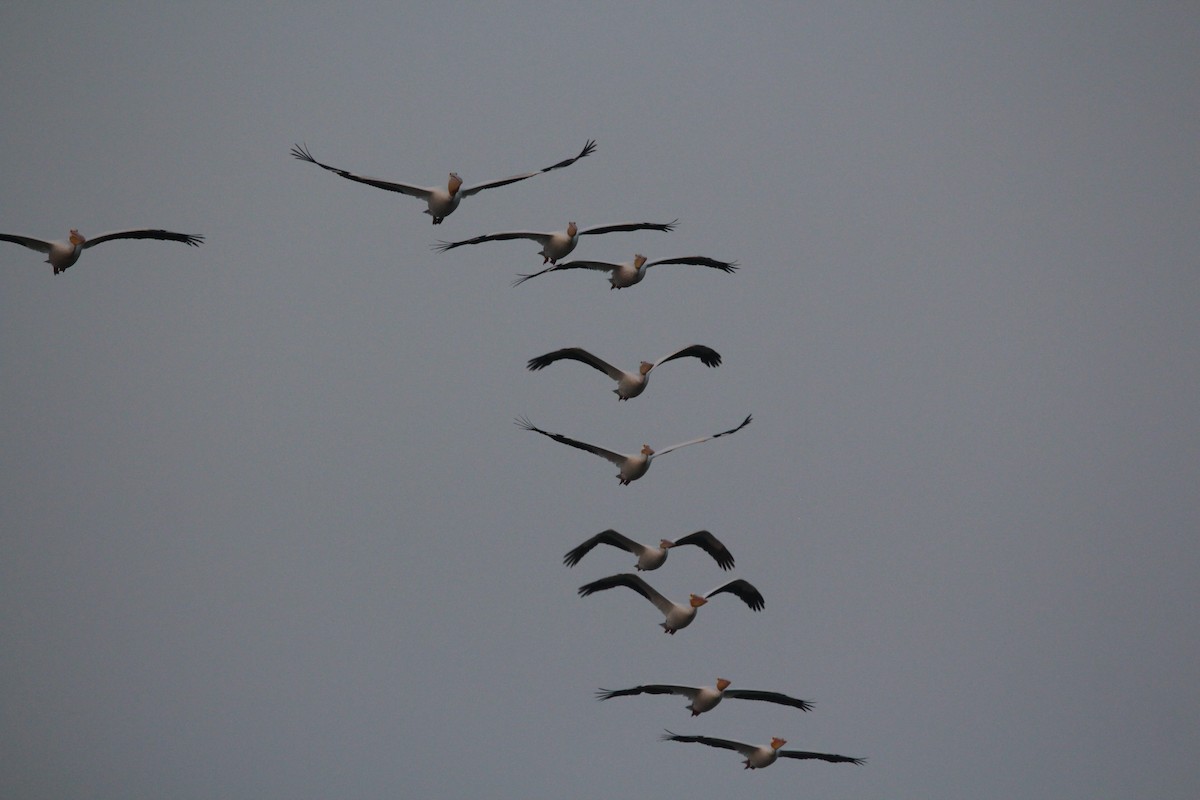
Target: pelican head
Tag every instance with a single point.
(572, 229)
(645, 367)
(647, 450)
(638, 260)
(777, 743)
(722, 684)
(76, 237)
(454, 183)
(697, 601)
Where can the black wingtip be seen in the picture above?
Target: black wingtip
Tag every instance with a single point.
(300, 151)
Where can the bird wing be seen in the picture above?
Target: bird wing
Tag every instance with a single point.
(301, 152)
(700, 261)
(633, 582)
(604, 537)
(830, 757)
(666, 450)
(615, 458)
(724, 744)
(708, 356)
(32, 244)
(540, 238)
(650, 688)
(576, 354)
(193, 240)
(587, 150)
(769, 697)
(598, 265)
(629, 226)
(745, 591)
(711, 545)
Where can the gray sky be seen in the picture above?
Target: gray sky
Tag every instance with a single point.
(269, 530)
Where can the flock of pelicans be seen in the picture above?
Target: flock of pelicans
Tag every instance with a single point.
(441, 202)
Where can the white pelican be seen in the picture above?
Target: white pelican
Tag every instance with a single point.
(629, 384)
(630, 272)
(677, 616)
(649, 557)
(633, 466)
(61, 255)
(759, 756)
(558, 244)
(442, 200)
(706, 698)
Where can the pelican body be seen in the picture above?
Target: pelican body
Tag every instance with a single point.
(628, 273)
(760, 756)
(441, 201)
(629, 384)
(632, 466)
(649, 557)
(706, 698)
(558, 244)
(676, 616)
(63, 255)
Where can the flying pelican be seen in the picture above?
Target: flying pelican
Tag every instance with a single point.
(442, 200)
(558, 244)
(677, 616)
(630, 272)
(61, 255)
(648, 557)
(759, 756)
(706, 698)
(629, 384)
(633, 466)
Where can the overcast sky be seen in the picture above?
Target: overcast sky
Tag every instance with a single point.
(268, 530)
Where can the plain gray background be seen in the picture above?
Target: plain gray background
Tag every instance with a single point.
(269, 530)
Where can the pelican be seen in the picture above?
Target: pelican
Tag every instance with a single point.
(558, 244)
(62, 255)
(442, 200)
(677, 616)
(633, 466)
(629, 384)
(759, 756)
(706, 698)
(648, 557)
(630, 272)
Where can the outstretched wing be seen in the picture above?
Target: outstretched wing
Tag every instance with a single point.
(603, 266)
(770, 697)
(699, 261)
(724, 744)
(587, 150)
(610, 537)
(650, 688)
(301, 152)
(707, 356)
(745, 591)
(629, 226)
(830, 757)
(633, 582)
(576, 354)
(190, 239)
(540, 238)
(711, 545)
(666, 450)
(32, 244)
(615, 458)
